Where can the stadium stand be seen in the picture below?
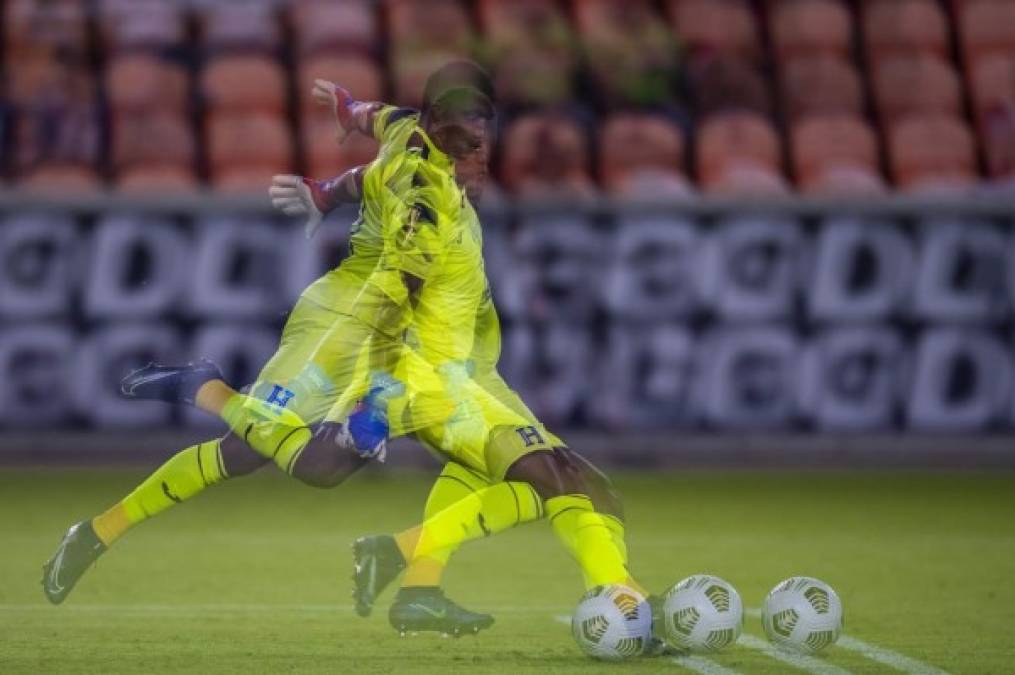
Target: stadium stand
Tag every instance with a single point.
(89, 85)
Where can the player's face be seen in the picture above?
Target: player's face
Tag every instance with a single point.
(468, 139)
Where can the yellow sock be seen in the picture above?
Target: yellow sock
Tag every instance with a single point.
(588, 538)
(185, 474)
(274, 432)
(455, 483)
(479, 514)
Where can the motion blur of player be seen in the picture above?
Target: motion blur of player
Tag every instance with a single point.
(401, 339)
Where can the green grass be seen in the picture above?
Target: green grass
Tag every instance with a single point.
(253, 576)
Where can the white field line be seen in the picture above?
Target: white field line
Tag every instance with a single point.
(223, 608)
(883, 656)
(888, 657)
(695, 664)
(808, 663)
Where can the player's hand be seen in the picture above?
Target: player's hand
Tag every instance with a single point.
(294, 196)
(365, 432)
(340, 102)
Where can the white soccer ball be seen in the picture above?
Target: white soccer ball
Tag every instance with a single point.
(612, 623)
(802, 615)
(702, 613)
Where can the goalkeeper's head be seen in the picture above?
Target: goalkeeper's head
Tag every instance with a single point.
(460, 116)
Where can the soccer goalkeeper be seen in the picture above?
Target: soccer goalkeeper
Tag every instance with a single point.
(415, 276)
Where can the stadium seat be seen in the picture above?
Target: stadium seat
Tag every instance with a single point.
(144, 24)
(725, 25)
(252, 24)
(642, 153)
(329, 25)
(997, 135)
(546, 154)
(531, 50)
(156, 138)
(325, 157)
(992, 81)
(723, 81)
(820, 84)
(410, 70)
(415, 25)
(811, 27)
(156, 180)
(629, 50)
(244, 83)
(140, 81)
(932, 153)
(835, 154)
(44, 28)
(259, 142)
(60, 178)
(356, 72)
(739, 152)
(904, 26)
(917, 84)
(986, 26)
(516, 20)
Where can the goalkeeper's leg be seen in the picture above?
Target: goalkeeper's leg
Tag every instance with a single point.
(186, 474)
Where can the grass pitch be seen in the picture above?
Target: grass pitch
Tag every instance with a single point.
(253, 576)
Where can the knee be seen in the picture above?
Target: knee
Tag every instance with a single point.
(238, 458)
(326, 462)
(551, 474)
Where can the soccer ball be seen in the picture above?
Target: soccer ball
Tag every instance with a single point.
(802, 615)
(702, 613)
(612, 623)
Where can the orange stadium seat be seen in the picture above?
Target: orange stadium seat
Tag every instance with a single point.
(638, 150)
(997, 133)
(932, 152)
(159, 179)
(835, 154)
(244, 83)
(723, 81)
(148, 24)
(330, 25)
(252, 24)
(726, 25)
(820, 84)
(61, 178)
(260, 142)
(160, 138)
(531, 50)
(141, 81)
(423, 25)
(917, 84)
(325, 157)
(516, 19)
(546, 154)
(356, 72)
(739, 153)
(44, 28)
(992, 81)
(409, 72)
(905, 26)
(809, 27)
(987, 26)
(629, 50)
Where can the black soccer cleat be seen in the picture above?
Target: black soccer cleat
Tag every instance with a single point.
(78, 549)
(173, 384)
(421, 609)
(377, 561)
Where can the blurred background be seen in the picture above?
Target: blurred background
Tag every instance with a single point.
(749, 232)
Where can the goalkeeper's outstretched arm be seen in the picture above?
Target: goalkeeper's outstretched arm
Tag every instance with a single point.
(301, 196)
